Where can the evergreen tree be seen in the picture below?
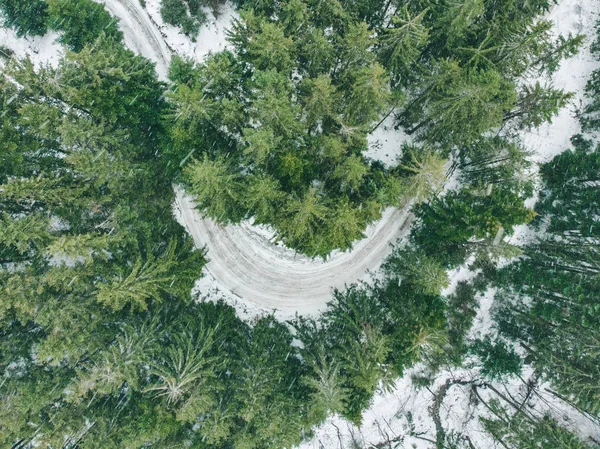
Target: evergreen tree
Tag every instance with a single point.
(427, 171)
(216, 190)
(518, 431)
(186, 14)
(400, 45)
(452, 227)
(558, 324)
(81, 22)
(27, 17)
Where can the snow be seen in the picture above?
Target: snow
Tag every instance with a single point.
(250, 273)
(385, 142)
(550, 139)
(256, 277)
(212, 36)
(139, 33)
(40, 49)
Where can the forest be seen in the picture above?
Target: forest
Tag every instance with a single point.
(102, 344)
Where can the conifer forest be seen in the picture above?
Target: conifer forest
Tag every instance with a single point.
(312, 224)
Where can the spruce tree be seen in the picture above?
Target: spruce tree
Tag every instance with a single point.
(27, 17)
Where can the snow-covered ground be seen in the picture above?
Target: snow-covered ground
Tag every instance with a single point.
(40, 49)
(404, 417)
(256, 276)
(387, 418)
(212, 36)
(140, 33)
(246, 269)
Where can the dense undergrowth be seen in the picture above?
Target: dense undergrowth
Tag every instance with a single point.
(101, 344)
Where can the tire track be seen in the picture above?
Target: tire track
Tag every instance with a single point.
(140, 33)
(241, 260)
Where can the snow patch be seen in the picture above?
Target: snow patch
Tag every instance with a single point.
(40, 49)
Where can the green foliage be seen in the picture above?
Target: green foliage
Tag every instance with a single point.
(463, 103)
(100, 344)
(217, 191)
(424, 274)
(187, 14)
(300, 170)
(465, 57)
(424, 173)
(453, 226)
(371, 333)
(309, 80)
(537, 105)
(460, 312)
(559, 276)
(518, 431)
(401, 44)
(590, 121)
(27, 17)
(81, 22)
(88, 241)
(497, 359)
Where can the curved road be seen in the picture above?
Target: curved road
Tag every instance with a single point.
(242, 260)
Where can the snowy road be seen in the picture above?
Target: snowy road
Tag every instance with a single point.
(242, 260)
(244, 267)
(140, 33)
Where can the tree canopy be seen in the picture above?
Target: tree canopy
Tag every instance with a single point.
(306, 83)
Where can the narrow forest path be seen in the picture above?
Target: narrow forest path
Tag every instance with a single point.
(242, 260)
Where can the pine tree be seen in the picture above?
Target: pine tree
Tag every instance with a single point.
(427, 171)
(302, 221)
(27, 17)
(518, 431)
(425, 274)
(320, 100)
(400, 45)
(456, 224)
(465, 104)
(217, 189)
(367, 97)
(81, 22)
(263, 198)
(344, 226)
(536, 105)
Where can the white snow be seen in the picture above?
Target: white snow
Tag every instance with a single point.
(40, 49)
(212, 36)
(139, 33)
(385, 142)
(251, 273)
(257, 277)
